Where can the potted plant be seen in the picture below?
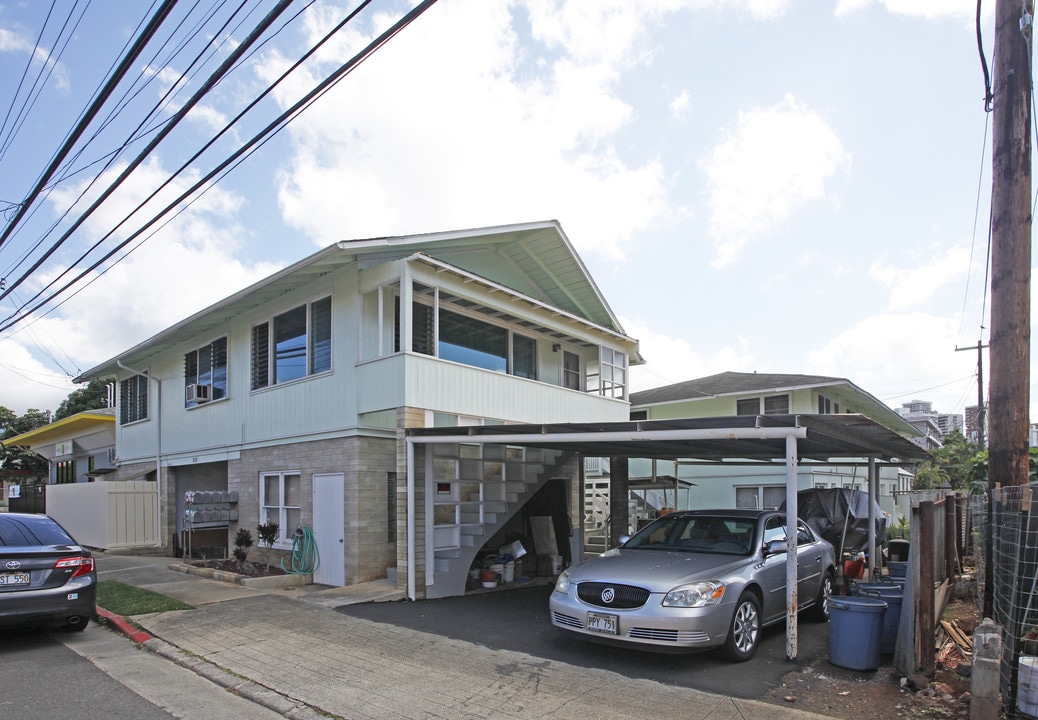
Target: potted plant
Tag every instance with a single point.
(268, 535)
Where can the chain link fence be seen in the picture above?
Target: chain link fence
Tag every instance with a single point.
(1007, 522)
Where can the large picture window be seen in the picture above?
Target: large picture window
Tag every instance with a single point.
(292, 345)
(133, 399)
(207, 366)
(280, 502)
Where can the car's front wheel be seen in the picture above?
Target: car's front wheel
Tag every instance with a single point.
(744, 631)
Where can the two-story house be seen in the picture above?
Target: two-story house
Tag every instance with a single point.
(293, 395)
(661, 484)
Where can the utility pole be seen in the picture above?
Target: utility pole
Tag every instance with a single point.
(1011, 245)
(980, 390)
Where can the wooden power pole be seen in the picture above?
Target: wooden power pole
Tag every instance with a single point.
(1011, 245)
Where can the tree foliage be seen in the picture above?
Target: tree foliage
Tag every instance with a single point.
(959, 464)
(17, 459)
(92, 397)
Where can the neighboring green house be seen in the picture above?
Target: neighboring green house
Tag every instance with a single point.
(661, 484)
(293, 395)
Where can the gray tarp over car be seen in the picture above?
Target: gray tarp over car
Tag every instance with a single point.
(841, 516)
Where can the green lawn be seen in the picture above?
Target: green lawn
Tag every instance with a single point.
(128, 600)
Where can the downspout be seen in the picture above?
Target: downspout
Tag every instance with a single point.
(873, 499)
(158, 442)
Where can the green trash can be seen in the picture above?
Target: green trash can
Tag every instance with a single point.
(855, 629)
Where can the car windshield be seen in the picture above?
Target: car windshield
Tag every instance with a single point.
(26, 531)
(697, 533)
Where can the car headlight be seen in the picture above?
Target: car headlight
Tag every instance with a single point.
(701, 594)
(562, 584)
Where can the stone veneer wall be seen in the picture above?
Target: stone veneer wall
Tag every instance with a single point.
(365, 463)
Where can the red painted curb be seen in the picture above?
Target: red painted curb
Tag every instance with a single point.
(124, 626)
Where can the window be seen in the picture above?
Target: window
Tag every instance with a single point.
(133, 399)
(65, 472)
(570, 370)
(758, 497)
(473, 342)
(639, 415)
(611, 380)
(748, 406)
(774, 405)
(280, 497)
(524, 357)
(207, 366)
(293, 345)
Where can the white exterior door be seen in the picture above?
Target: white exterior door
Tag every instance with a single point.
(329, 528)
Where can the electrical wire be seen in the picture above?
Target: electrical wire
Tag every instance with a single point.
(247, 149)
(984, 65)
(109, 159)
(225, 166)
(178, 117)
(95, 106)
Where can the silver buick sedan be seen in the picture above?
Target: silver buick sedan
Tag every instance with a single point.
(695, 580)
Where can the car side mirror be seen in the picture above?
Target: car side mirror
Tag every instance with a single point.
(773, 547)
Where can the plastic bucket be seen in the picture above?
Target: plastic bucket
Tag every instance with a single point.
(855, 627)
(890, 594)
(509, 573)
(882, 588)
(498, 568)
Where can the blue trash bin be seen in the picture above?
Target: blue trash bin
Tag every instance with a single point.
(855, 628)
(897, 570)
(891, 594)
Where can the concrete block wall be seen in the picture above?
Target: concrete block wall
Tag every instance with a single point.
(365, 464)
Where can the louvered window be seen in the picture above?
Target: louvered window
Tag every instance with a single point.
(207, 366)
(133, 399)
(292, 345)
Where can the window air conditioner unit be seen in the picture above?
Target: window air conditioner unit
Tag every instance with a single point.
(199, 393)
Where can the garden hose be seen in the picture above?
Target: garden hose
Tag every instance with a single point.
(305, 557)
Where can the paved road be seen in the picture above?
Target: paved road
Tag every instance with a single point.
(50, 675)
(518, 620)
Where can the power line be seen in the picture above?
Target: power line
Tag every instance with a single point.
(95, 107)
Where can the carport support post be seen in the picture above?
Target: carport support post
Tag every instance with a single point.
(873, 493)
(619, 513)
(792, 513)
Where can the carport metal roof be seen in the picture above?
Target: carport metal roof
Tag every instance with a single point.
(841, 439)
(764, 439)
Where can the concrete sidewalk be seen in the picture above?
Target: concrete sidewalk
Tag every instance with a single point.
(289, 650)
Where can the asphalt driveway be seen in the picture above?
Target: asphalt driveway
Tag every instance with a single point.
(517, 619)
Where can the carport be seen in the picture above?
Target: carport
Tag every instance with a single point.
(760, 440)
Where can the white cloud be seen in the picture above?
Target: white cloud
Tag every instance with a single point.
(187, 265)
(911, 287)
(452, 126)
(927, 9)
(680, 105)
(774, 161)
(875, 351)
(670, 360)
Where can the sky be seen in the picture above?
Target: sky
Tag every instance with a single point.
(773, 186)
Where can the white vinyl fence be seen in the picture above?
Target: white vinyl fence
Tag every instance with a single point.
(107, 515)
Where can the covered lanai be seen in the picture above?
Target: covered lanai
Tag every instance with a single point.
(790, 440)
